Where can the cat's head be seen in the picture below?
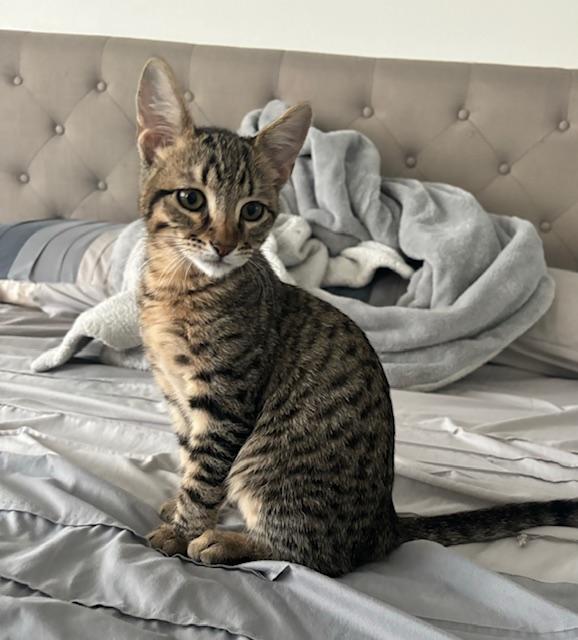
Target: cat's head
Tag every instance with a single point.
(208, 194)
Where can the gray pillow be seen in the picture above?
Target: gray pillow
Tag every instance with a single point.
(64, 261)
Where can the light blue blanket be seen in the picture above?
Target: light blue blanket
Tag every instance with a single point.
(480, 279)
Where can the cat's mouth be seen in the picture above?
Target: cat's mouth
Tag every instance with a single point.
(215, 258)
(214, 265)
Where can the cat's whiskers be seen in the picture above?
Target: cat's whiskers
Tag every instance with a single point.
(183, 247)
(188, 271)
(171, 270)
(262, 278)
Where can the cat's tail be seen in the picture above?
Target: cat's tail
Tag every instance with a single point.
(488, 524)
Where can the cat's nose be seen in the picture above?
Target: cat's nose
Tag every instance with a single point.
(222, 249)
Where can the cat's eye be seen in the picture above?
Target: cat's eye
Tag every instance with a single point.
(191, 199)
(252, 211)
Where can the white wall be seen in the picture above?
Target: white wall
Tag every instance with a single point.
(526, 32)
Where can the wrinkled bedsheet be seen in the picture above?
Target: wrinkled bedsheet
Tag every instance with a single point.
(87, 455)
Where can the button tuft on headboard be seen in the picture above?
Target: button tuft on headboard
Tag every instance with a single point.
(563, 125)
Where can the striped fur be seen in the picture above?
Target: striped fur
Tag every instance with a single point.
(278, 401)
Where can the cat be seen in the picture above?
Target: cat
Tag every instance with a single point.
(279, 402)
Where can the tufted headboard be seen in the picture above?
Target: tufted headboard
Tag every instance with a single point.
(507, 134)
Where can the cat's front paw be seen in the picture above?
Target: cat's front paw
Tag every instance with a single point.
(220, 547)
(166, 539)
(168, 510)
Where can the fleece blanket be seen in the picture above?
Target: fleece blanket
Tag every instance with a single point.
(439, 285)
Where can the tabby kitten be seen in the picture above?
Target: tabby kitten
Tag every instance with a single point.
(279, 402)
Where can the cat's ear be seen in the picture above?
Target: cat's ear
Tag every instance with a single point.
(282, 140)
(161, 113)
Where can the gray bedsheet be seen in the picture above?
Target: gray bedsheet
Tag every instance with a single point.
(86, 457)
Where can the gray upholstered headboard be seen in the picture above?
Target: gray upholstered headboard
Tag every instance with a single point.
(508, 134)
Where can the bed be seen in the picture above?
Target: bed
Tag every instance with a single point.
(87, 453)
